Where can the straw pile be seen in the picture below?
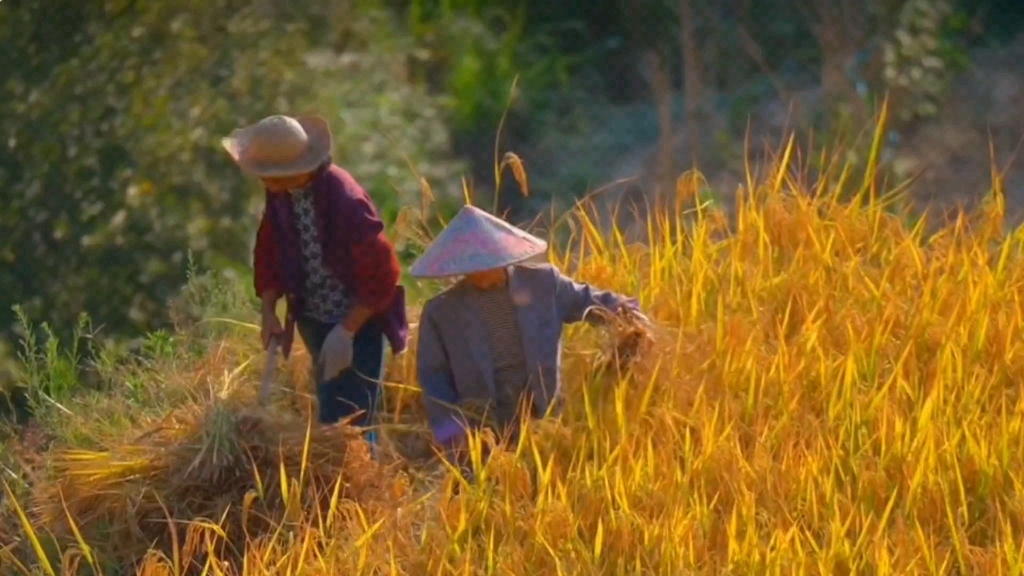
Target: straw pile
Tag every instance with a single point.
(247, 471)
(8, 521)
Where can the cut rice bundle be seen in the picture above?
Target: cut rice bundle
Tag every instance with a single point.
(246, 471)
(631, 338)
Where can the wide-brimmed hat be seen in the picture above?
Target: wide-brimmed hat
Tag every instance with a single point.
(281, 146)
(475, 241)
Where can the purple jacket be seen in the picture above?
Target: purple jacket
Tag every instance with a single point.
(453, 359)
(355, 248)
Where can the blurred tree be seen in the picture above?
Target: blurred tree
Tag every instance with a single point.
(693, 76)
(474, 52)
(905, 48)
(111, 167)
(919, 57)
(842, 29)
(110, 163)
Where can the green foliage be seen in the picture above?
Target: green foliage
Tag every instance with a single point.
(920, 56)
(212, 304)
(51, 372)
(476, 51)
(111, 165)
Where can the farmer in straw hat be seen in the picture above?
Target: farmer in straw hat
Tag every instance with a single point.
(489, 347)
(321, 246)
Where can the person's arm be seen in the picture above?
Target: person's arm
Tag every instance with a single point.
(374, 265)
(268, 288)
(357, 316)
(265, 281)
(575, 299)
(268, 301)
(433, 372)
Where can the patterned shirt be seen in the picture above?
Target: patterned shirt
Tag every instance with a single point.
(506, 345)
(326, 297)
(355, 249)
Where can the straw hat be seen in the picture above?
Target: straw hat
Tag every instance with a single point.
(475, 241)
(280, 146)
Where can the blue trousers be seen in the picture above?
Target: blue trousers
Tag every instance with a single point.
(357, 388)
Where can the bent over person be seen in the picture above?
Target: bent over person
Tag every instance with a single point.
(321, 246)
(489, 347)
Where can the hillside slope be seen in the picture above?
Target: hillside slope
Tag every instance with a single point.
(826, 391)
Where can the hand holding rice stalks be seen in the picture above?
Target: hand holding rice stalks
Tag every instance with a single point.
(632, 336)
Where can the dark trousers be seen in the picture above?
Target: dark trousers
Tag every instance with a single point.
(357, 388)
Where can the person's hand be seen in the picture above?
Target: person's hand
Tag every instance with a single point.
(642, 318)
(270, 327)
(336, 352)
(637, 315)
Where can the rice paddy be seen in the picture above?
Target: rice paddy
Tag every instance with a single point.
(827, 390)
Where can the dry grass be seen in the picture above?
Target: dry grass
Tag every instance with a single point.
(235, 467)
(826, 392)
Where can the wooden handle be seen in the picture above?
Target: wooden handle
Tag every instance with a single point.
(268, 372)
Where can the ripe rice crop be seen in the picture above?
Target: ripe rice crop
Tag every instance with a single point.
(827, 390)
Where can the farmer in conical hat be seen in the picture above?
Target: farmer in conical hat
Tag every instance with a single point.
(492, 342)
(321, 246)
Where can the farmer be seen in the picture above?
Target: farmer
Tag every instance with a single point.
(321, 246)
(489, 347)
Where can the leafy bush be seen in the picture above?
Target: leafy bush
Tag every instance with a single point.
(112, 169)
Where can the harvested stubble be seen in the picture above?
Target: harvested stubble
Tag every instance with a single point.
(244, 472)
(8, 522)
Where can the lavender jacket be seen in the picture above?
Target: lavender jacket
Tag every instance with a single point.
(453, 359)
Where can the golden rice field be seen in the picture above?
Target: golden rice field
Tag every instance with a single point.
(828, 392)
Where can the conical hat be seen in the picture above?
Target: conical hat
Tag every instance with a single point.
(475, 241)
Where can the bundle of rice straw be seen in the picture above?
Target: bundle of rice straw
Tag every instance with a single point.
(8, 520)
(219, 464)
(631, 338)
